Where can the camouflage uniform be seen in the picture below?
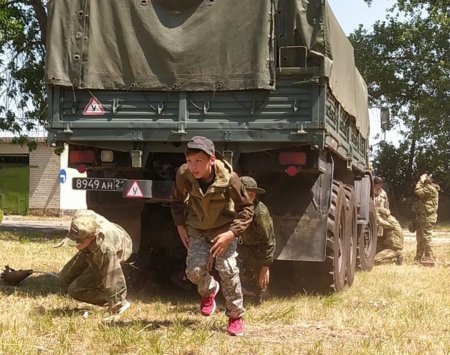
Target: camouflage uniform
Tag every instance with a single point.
(256, 246)
(425, 209)
(381, 201)
(94, 275)
(223, 207)
(392, 241)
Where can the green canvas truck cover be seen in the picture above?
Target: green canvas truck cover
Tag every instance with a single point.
(195, 45)
(186, 45)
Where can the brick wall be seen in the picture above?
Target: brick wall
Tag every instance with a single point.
(44, 180)
(44, 186)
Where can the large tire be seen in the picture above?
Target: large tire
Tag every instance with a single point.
(337, 236)
(352, 230)
(367, 240)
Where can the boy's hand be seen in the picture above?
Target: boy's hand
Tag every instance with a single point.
(184, 236)
(264, 277)
(221, 243)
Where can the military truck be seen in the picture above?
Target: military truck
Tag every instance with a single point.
(272, 83)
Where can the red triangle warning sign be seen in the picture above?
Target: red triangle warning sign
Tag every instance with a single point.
(135, 191)
(94, 108)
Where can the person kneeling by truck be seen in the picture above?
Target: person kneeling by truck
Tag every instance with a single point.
(94, 275)
(392, 239)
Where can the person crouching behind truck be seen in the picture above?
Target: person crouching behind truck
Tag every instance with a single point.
(94, 275)
(256, 245)
(211, 208)
(392, 239)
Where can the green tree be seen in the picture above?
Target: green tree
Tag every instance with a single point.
(22, 47)
(405, 60)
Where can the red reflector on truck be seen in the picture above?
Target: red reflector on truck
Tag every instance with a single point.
(292, 170)
(81, 156)
(81, 168)
(292, 158)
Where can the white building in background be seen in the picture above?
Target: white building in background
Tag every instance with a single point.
(70, 199)
(37, 182)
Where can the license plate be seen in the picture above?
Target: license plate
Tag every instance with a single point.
(97, 184)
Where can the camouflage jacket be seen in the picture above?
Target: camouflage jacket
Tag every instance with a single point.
(393, 232)
(225, 205)
(112, 246)
(381, 200)
(260, 234)
(428, 199)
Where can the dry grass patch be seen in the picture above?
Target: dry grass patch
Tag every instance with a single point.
(391, 310)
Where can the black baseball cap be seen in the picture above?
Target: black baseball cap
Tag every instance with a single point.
(202, 143)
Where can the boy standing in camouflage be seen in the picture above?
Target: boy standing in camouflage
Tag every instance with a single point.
(211, 208)
(425, 209)
(94, 275)
(256, 245)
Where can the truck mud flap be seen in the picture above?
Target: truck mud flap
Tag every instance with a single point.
(363, 191)
(307, 238)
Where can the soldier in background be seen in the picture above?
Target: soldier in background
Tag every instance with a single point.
(256, 245)
(392, 239)
(94, 275)
(381, 199)
(425, 209)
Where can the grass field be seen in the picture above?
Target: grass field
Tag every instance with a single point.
(390, 310)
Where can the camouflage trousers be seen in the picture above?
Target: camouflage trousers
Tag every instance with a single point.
(387, 255)
(424, 236)
(197, 272)
(249, 267)
(84, 282)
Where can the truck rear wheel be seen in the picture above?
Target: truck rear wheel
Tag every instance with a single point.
(352, 230)
(337, 236)
(367, 240)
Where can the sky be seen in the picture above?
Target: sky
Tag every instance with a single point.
(351, 13)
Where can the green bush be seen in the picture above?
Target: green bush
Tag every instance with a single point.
(1, 215)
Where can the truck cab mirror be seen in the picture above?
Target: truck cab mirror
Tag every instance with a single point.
(385, 121)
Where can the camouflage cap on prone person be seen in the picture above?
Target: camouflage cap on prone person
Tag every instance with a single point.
(84, 224)
(250, 184)
(202, 143)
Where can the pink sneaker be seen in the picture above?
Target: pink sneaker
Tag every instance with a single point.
(235, 326)
(208, 304)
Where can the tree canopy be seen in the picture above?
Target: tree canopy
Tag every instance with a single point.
(22, 47)
(405, 61)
